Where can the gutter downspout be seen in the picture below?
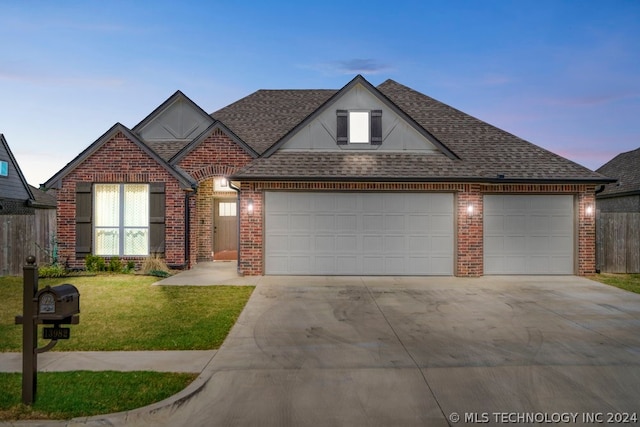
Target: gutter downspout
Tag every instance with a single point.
(187, 226)
(237, 190)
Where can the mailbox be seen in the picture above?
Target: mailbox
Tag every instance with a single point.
(57, 304)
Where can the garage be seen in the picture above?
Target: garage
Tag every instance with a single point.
(357, 233)
(528, 234)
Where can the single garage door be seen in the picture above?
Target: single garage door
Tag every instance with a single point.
(327, 233)
(528, 234)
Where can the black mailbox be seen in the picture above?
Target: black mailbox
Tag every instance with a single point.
(58, 304)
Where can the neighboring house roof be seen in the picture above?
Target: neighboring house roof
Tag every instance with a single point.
(625, 167)
(17, 185)
(482, 151)
(43, 199)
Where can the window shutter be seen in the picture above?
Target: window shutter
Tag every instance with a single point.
(341, 133)
(84, 228)
(156, 217)
(376, 127)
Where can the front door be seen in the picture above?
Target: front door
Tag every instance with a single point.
(225, 229)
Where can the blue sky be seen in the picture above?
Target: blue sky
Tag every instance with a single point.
(564, 75)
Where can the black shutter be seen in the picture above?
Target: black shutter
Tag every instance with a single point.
(84, 209)
(342, 129)
(376, 127)
(156, 217)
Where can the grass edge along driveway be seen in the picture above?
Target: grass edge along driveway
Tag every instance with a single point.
(117, 312)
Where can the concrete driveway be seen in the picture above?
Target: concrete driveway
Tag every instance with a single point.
(355, 351)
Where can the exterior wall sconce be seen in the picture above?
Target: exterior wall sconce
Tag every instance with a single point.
(588, 210)
(250, 206)
(470, 209)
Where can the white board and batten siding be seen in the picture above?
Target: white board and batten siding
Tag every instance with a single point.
(529, 234)
(357, 233)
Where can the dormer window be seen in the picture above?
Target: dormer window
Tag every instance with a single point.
(359, 127)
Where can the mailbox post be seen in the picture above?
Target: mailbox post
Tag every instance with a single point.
(55, 306)
(29, 332)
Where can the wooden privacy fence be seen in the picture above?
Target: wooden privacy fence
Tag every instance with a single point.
(24, 235)
(618, 242)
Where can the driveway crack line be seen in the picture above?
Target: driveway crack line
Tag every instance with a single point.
(424, 378)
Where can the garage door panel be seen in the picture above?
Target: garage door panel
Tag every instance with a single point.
(528, 234)
(325, 244)
(394, 222)
(346, 222)
(367, 233)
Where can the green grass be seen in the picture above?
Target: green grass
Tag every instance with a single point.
(124, 312)
(66, 395)
(117, 312)
(628, 282)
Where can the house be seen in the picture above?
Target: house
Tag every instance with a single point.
(363, 180)
(618, 220)
(27, 216)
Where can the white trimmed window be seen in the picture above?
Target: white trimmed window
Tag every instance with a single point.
(121, 225)
(359, 127)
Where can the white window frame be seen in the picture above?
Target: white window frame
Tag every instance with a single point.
(121, 229)
(359, 127)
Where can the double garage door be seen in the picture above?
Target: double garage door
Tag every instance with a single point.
(328, 233)
(358, 233)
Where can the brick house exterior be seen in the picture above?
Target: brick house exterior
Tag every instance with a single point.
(294, 147)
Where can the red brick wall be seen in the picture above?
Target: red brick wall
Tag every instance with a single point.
(216, 156)
(121, 161)
(469, 227)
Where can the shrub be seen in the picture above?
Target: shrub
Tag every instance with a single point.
(52, 271)
(115, 265)
(159, 273)
(154, 263)
(94, 263)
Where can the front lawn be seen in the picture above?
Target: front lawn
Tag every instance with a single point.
(117, 312)
(124, 312)
(628, 282)
(66, 395)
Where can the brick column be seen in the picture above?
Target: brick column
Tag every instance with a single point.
(469, 214)
(587, 231)
(251, 231)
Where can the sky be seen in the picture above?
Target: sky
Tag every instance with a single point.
(564, 75)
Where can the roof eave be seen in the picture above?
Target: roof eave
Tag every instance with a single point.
(481, 180)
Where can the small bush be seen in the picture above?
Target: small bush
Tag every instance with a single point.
(115, 265)
(159, 273)
(154, 263)
(52, 271)
(94, 263)
(131, 265)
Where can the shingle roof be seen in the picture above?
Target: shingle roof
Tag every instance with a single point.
(43, 199)
(626, 168)
(166, 149)
(264, 117)
(357, 166)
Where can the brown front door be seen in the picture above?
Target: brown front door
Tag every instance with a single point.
(225, 229)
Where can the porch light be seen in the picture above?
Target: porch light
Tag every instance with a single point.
(250, 206)
(470, 209)
(589, 210)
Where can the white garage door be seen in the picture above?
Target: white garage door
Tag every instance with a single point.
(528, 234)
(358, 233)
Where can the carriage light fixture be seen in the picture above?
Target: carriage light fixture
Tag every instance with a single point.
(589, 210)
(250, 206)
(470, 209)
